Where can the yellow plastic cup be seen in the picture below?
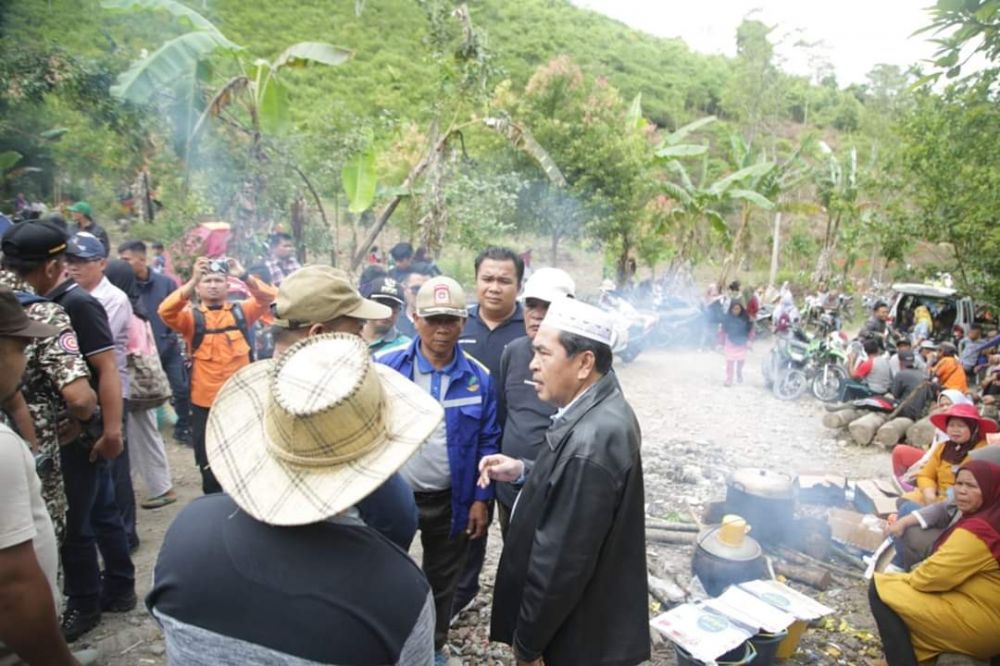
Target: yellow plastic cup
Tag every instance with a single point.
(733, 530)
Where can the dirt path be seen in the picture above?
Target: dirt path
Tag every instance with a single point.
(695, 431)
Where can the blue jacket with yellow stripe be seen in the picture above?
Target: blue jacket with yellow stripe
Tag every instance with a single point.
(470, 416)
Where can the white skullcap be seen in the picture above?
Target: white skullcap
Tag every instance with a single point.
(579, 318)
(549, 284)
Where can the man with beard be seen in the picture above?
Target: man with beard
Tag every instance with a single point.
(571, 585)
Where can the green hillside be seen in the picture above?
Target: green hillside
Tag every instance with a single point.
(392, 69)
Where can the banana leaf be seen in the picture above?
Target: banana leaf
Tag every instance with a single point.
(306, 53)
(360, 180)
(161, 69)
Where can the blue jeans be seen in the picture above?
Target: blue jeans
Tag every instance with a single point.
(180, 386)
(391, 511)
(93, 522)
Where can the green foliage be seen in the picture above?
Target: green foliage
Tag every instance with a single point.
(964, 28)
(952, 170)
(360, 179)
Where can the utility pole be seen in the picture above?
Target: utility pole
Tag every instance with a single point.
(775, 247)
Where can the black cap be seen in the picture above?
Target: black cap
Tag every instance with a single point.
(906, 356)
(34, 241)
(383, 288)
(14, 323)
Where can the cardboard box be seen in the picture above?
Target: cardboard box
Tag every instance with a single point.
(871, 497)
(822, 489)
(858, 530)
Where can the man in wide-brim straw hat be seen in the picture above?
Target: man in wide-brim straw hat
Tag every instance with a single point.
(279, 568)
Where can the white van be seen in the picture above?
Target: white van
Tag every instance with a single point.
(951, 311)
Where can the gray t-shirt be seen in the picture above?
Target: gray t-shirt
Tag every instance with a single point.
(429, 470)
(23, 516)
(119, 310)
(880, 378)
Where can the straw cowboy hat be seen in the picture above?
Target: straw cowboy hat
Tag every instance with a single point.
(966, 413)
(300, 439)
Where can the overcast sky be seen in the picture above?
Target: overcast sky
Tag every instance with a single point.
(854, 34)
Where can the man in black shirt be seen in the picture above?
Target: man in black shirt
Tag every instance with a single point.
(83, 220)
(313, 583)
(493, 323)
(528, 417)
(911, 387)
(92, 516)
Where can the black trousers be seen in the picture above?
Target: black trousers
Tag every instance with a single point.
(199, 421)
(93, 523)
(895, 634)
(503, 515)
(444, 556)
(468, 584)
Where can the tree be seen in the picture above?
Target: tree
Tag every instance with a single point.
(964, 28)
(953, 176)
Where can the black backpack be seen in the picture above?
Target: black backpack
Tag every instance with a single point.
(240, 324)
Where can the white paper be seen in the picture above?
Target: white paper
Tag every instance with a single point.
(786, 599)
(745, 608)
(702, 632)
(873, 562)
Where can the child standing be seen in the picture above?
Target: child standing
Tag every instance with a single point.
(736, 329)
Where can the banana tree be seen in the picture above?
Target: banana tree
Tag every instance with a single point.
(838, 192)
(761, 191)
(178, 72)
(698, 202)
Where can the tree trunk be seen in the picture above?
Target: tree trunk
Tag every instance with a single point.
(775, 249)
(735, 254)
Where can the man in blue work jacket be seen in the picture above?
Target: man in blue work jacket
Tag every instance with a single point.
(443, 473)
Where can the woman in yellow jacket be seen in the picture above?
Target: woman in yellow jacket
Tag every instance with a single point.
(951, 602)
(966, 431)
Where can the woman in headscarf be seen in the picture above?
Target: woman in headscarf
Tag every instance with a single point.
(786, 314)
(908, 460)
(950, 602)
(736, 328)
(966, 431)
(148, 456)
(923, 324)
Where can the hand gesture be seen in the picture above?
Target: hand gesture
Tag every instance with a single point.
(499, 468)
(235, 267)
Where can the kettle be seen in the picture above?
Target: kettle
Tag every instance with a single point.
(725, 554)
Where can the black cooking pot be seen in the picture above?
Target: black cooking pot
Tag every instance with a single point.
(765, 499)
(719, 565)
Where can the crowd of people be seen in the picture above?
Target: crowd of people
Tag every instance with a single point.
(331, 420)
(381, 409)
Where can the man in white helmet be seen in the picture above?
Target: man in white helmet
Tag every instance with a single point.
(527, 416)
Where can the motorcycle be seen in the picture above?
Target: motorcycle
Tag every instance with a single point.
(800, 362)
(679, 322)
(634, 328)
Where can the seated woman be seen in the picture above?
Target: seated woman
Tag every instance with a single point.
(907, 461)
(950, 602)
(966, 431)
(915, 534)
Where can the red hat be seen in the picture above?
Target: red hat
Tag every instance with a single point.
(967, 412)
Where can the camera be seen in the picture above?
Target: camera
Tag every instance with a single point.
(219, 265)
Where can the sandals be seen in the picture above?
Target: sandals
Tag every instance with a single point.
(160, 501)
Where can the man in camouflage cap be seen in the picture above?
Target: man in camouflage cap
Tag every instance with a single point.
(56, 380)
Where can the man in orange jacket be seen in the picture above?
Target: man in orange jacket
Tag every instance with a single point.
(217, 333)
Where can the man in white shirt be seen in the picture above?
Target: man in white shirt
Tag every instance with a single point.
(29, 627)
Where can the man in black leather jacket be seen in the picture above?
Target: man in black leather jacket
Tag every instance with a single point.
(571, 585)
